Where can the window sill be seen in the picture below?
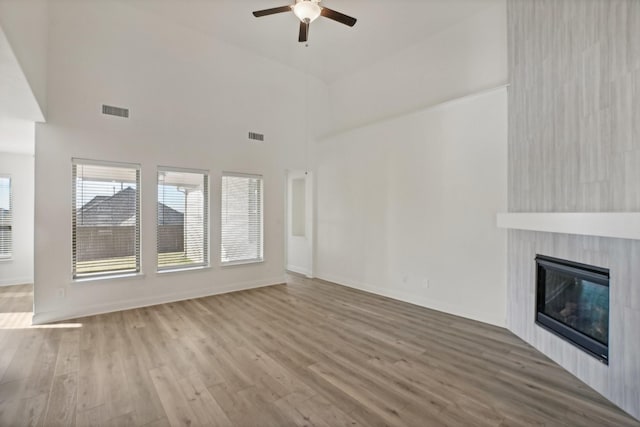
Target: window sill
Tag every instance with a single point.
(9, 259)
(113, 277)
(235, 263)
(184, 269)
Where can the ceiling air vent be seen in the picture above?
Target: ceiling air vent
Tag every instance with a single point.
(115, 111)
(256, 136)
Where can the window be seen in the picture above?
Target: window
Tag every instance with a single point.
(241, 215)
(6, 218)
(106, 218)
(183, 208)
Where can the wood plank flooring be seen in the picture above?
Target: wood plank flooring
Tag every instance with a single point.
(309, 353)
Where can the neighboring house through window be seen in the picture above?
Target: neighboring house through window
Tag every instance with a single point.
(6, 218)
(183, 218)
(241, 218)
(106, 218)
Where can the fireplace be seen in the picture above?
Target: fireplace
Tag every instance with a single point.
(572, 301)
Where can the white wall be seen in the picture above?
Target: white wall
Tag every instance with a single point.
(19, 108)
(414, 199)
(25, 24)
(192, 101)
(465, 58)
(19, 269)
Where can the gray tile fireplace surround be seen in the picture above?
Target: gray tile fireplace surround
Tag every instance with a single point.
(574, 146)
(620, 381)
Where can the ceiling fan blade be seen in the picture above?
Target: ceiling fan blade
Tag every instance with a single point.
(304, 32)
(272, 11)
(337, 16)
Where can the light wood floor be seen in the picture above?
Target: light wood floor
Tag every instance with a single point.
(309, 353)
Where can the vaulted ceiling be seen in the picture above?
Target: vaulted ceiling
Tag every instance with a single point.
(384, 27)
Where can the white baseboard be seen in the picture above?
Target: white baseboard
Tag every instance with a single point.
(417, 300)
(16, 281)
(58, 315)
(300, 270)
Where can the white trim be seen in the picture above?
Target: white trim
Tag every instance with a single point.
(242, 175)
(300, 270)
(183, 269)
(182, 170)
(480, 316)
(107, 163)
(54, 316)
(106, 277)
(242, 262)
(622, 225)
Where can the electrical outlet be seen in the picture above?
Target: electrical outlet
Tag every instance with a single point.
(60, 292)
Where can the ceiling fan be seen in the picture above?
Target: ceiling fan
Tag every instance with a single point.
(307, 11)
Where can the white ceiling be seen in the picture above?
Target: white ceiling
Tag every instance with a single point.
(384, 27)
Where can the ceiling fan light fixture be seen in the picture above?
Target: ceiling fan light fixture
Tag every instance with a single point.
(307, 10)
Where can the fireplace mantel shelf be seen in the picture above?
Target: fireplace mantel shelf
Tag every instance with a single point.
(621, 225)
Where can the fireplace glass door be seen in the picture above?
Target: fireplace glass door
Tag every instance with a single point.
(573, 302)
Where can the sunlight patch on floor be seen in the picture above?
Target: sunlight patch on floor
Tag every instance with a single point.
(22, 320)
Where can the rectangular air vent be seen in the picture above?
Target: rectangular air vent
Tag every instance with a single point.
(256, 136)
(115, 111)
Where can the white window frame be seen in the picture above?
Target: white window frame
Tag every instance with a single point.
(79, 277)
(9, 255)
(260, 257)
(205, 222)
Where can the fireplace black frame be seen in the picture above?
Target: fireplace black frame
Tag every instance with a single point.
(591, 273)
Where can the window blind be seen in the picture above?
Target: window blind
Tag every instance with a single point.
(6, 218)
(106, 218)
(241, 218)
(182, 233)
